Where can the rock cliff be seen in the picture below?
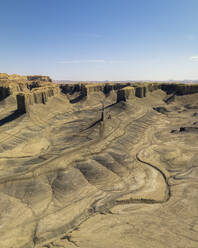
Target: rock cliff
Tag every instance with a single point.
(40, 78)
(30, 90)
(36, 96)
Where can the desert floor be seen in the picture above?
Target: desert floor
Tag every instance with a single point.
(70, 179)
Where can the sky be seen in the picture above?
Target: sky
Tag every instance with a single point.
(100, 39)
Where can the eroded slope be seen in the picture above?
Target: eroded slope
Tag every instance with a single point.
(111, 165)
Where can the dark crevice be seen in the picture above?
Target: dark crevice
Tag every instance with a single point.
(77, 99)
(163, 175)
(189, 129)
(169, 99)
(69, 239)
(4, 92)
(161, 110)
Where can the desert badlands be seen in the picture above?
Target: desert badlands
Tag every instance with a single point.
(98, 165)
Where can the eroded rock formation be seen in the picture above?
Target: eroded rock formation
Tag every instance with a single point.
(36, 96)
(97, 165)
(28, 90)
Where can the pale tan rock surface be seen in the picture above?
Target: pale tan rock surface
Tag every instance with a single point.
(97, 166)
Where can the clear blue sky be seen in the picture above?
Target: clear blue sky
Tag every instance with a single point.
(100, 39)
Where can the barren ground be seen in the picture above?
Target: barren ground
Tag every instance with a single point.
(68, 179)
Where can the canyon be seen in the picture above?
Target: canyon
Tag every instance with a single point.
(95, 165)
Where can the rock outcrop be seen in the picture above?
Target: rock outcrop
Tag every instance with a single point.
(4, 92)
(37, 96)
(30, 90)
(179, 89)
(39, 92)
(126, 93)
(4, 76)
(39, 78)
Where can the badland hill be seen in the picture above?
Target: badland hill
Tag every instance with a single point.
(95, 165)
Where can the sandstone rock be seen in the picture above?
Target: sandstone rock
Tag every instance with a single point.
(40, 78)
(125, 93)
(3, 76)
(37, 96)
(4, 92)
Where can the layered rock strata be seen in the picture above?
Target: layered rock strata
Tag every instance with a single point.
(37, 96)
(97, 165)
(28, 90)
